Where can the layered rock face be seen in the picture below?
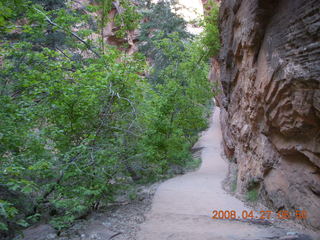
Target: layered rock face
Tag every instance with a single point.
(270, 105)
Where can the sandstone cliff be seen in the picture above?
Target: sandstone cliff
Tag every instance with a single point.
(270, 105)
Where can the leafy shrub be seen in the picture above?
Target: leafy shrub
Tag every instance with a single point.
(211, 37)
(160, 23)
(79, 122)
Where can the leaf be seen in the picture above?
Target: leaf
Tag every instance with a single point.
(34, 218)
(23, 223)
(27, 189)
(3, 226)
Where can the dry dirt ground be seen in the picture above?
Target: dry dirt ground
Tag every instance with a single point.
(119, 222)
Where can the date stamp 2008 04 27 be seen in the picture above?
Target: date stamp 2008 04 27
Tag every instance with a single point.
(283, 214)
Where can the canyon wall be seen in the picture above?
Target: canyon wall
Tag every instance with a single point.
(269, 68)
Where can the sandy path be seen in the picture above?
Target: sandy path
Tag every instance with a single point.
(183, 205)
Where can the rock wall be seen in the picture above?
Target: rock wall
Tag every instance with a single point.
(270, 106)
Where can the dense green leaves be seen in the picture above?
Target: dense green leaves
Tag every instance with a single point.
(210, 36)
(59, 130)
(79, 120)
(160, 23)
(182, 96)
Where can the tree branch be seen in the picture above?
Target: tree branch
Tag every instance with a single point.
(72, 33)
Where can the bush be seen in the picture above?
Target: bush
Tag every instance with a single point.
(211, 36)
(79, 122)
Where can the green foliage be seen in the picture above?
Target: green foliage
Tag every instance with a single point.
(252, 195)
(160, 23)
(133, 194)
(181, 90)
(7, 212)
(79, 122)
(126, 19)
(10, 10)
(63, 119)
(178, 105)
(210, 38)
(61, 123)
(193, 164)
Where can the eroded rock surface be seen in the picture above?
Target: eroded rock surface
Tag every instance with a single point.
(270, 77)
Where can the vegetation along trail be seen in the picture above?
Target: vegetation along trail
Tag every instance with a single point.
(102, 101)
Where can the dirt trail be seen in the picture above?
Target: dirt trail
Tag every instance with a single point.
(183, 206)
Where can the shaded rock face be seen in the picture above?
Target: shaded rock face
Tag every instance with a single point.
(270, 77)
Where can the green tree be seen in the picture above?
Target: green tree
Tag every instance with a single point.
(179, 104)
(160, 22)
(78, 119)
(210, 36)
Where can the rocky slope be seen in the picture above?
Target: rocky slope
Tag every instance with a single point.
(269, 68)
